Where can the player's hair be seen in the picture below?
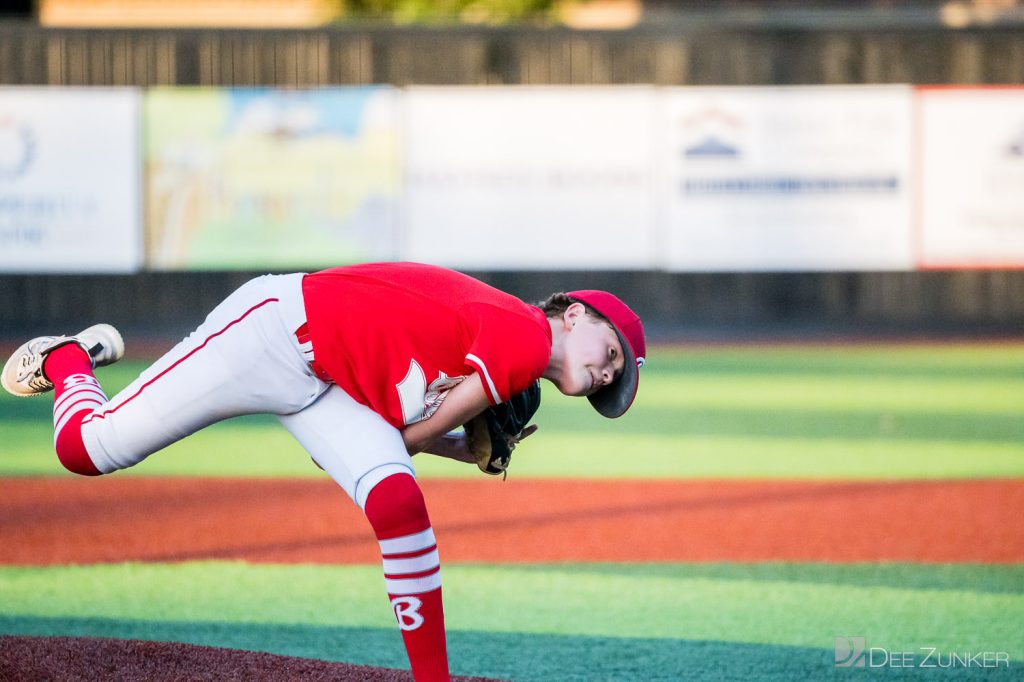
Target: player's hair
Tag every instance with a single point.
(555, 305)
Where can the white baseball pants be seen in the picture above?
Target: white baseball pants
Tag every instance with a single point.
(246, 359)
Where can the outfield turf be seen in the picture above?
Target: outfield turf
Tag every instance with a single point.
(646, 614)
(874, 413)
(821, 412)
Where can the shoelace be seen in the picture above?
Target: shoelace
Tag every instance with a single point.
(27, 368)
(40, 383)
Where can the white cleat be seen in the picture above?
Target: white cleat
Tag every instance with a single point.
(102, 342)
(23, 374)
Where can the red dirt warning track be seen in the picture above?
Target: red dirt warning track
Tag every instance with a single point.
(62, 520)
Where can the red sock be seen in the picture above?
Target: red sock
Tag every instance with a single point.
(412, 571)
(76, 393)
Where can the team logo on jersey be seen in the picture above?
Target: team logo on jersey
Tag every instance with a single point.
(407, 611)
(437, 391)
(418, 400)
(640, 362)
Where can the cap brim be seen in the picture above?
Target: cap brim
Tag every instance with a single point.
(612, 401)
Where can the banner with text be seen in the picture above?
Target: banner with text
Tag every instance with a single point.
(972, 175)
(262, 178)
(787, 178)
(529, 178)
(69, 180)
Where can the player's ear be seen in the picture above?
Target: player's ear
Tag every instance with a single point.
(572, 314)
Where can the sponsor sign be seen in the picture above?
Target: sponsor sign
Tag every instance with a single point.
(69, 180)
(792, 178)
(972, 170)
(263, 178)
(530, 178)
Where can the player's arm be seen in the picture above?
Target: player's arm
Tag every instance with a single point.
(463, 402)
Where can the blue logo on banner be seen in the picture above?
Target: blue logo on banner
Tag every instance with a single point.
(711, 147)
(790, 185)
(17, 148)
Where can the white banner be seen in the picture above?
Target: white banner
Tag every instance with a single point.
(532, 178)
(972, 168)
(69, 180)
(794, 178)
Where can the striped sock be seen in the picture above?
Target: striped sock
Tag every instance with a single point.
(412, 572)
(76, 394)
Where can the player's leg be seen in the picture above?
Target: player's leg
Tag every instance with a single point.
(367, 457)
(243, 359)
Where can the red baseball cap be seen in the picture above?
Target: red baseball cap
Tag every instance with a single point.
(614, 399)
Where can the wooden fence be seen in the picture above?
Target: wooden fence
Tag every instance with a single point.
(30, 55)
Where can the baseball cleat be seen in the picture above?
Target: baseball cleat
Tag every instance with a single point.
(23, 374)
(102, 342)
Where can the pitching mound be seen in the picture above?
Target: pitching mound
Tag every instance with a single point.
(88, 658)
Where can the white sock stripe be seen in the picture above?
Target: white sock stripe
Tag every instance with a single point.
(74, 409)
(80, 397)
(414, 565)
(403, 586)
(72, 392)
(408, 543)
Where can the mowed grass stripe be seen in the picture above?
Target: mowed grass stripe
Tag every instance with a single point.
(775, 411)
(254, 450)
(975, 377)
(805, 608)
(661, 388)
(834, 393)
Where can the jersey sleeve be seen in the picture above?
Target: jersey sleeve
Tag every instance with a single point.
(509, 351)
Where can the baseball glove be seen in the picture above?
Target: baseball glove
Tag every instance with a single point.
(493, 434)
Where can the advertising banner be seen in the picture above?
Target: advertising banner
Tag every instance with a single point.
(270, 179)
(972, 173)
(69, 180)
(529, 178)
(790, 178)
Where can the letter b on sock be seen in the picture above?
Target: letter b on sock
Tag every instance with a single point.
(407, 611)
(79, 380)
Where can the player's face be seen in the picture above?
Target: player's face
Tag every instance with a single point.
(593, 357)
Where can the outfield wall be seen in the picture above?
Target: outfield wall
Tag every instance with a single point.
(694, 179)
(777, 49)
(922, 221)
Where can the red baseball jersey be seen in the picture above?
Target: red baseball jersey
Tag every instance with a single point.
(398, 336)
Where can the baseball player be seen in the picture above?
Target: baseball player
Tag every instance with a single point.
(365, 365)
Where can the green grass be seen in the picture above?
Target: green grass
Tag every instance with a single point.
(625, 607)
(843, 412)
(859, 412)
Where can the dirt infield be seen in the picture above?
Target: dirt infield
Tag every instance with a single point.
(89, 658)
(65, 520)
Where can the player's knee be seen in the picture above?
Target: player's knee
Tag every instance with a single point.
(77, 461)
(71, 449)
(396, 507)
